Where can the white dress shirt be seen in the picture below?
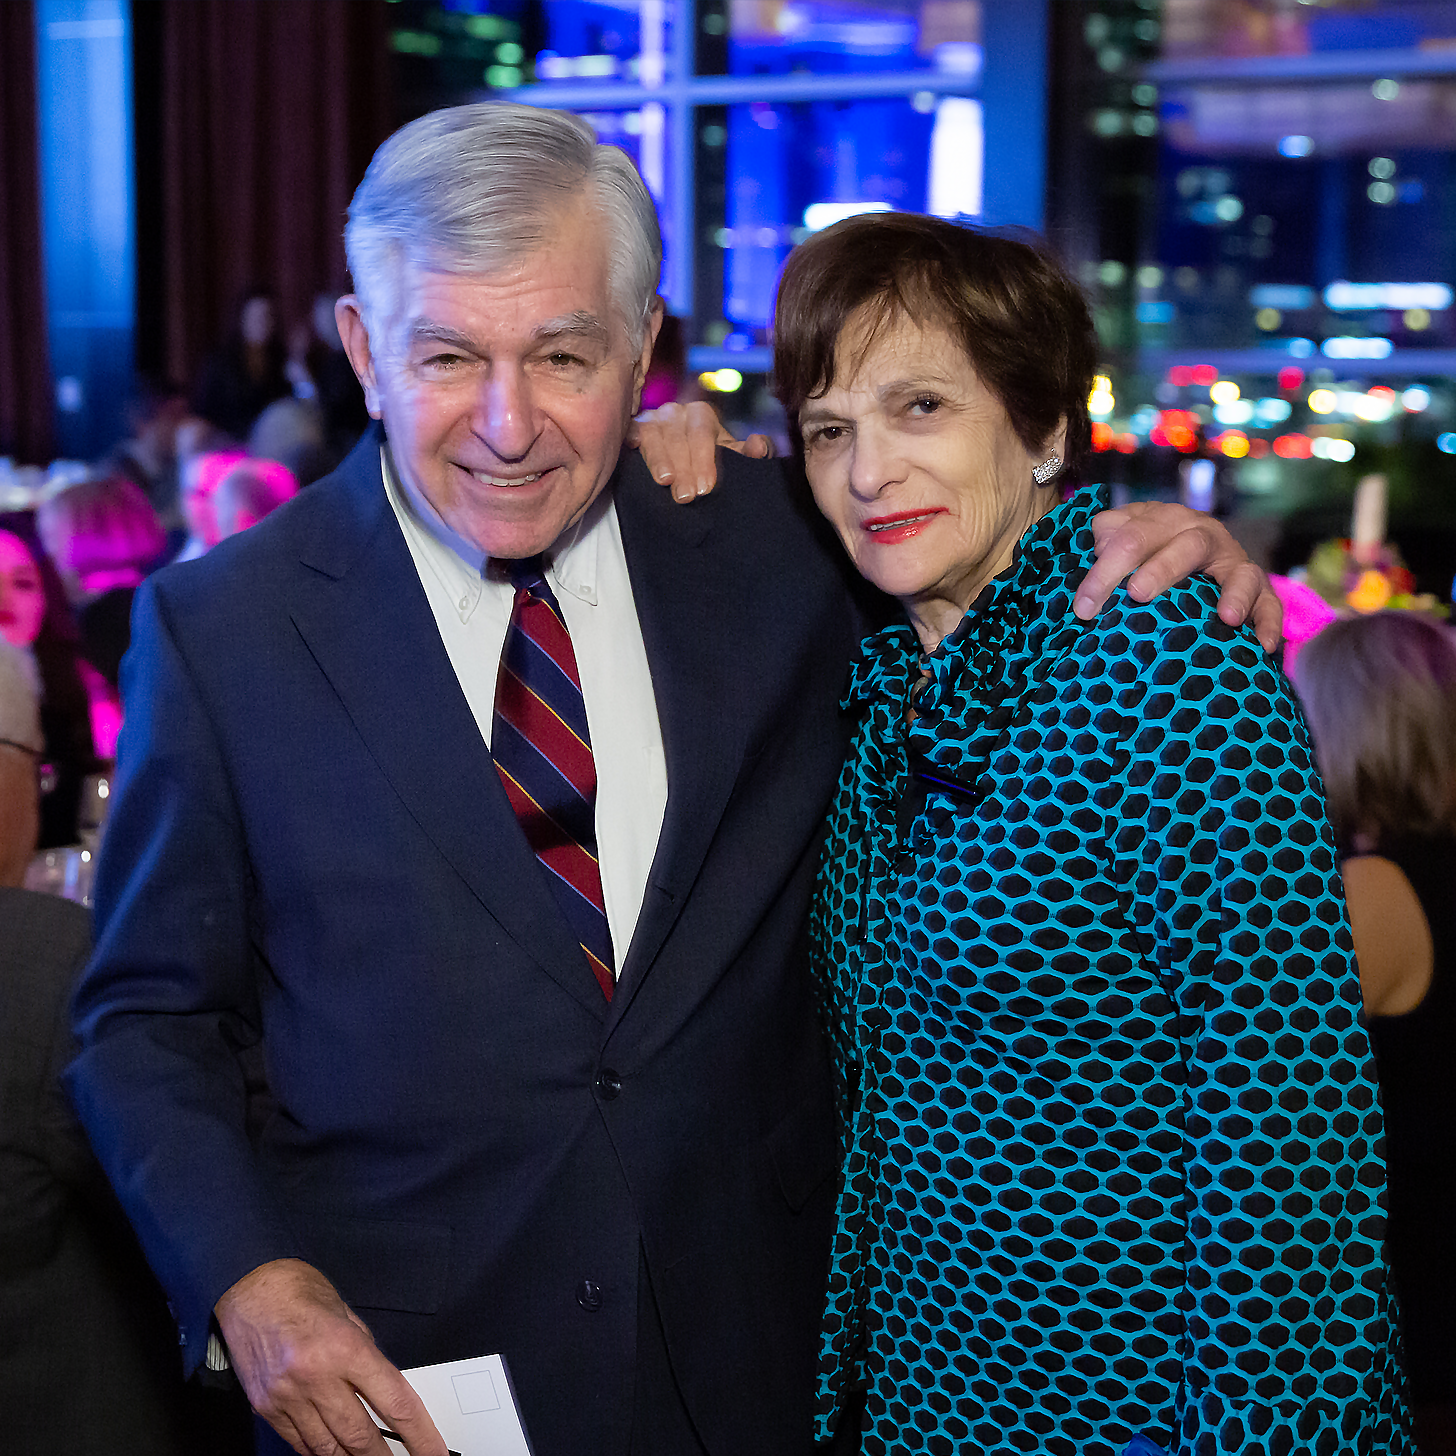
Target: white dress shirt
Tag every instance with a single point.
(588, 573)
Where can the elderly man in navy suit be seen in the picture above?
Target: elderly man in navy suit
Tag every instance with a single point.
(544, 1079)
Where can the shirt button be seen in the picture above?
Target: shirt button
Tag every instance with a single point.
(589, 1296)
(609, 1084)
(464, 604)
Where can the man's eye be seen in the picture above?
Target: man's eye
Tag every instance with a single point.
(443, 363)
(563, 360)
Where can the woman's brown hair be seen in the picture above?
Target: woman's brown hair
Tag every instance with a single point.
(1016, 312)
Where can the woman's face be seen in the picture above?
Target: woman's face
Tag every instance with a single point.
(22, 597)
(915, 463)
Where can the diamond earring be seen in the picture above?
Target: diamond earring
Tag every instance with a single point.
(1047, 470)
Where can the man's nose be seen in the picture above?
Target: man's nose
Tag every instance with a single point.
(506, 414)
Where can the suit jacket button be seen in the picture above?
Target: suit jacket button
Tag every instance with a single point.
(609, 1084)
(589, 1296)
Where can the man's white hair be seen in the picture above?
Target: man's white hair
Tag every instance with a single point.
(474, 189)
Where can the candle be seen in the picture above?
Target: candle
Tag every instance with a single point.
(1367, 530)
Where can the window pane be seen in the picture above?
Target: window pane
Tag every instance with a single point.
(601, 40)
(775, 36)
(1208, 28)
(452, 47)
(794, 168)
(643, 134)
(1269, 195)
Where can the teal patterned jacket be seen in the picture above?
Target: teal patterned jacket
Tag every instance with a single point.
(1113, 1142)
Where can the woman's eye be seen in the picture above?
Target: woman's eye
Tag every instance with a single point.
(826, 434)
(925, 404)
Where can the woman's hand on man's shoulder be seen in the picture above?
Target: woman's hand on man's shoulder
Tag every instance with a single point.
(679, 444)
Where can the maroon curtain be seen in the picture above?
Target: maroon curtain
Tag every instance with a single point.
(26, 420)
(267, 113)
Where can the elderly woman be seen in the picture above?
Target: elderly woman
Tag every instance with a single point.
(1380, 692)
(1111, 1177)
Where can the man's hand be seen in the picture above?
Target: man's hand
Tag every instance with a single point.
(1162, 544)
(305, 1358)
(678, 441)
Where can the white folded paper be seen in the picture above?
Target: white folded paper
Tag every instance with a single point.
(472, 1406)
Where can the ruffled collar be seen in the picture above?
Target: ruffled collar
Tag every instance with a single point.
(974, 655)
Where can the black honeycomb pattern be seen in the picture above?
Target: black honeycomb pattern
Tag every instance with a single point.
(1113, 1140)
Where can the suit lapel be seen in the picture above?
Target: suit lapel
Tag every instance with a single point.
(700, 672)
(368, 624)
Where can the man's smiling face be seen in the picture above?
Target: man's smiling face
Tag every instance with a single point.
(506, 396)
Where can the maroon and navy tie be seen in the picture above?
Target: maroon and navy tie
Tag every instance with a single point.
(542, 750)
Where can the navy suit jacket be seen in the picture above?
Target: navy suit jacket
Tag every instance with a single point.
(311, 856)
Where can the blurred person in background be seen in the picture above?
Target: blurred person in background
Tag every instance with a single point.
(34, 617)
(148, 456)
(321, 372)
(247, 373)
(1380, 695)
(22, 592)
(291, 432)
(201, 476)
(667, 373)
(103, 537)
(20, 751)
(88, 1352)
(196, 436)
(248, 492)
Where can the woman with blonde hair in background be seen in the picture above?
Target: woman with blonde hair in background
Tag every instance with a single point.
(1380, 693)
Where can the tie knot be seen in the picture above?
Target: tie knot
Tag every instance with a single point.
(528, 573)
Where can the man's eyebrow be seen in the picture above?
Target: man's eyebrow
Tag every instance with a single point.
(427, 331)
(579, 325)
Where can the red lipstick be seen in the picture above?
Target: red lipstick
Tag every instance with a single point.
(902, 526)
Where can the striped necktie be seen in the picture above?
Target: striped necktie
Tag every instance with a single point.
(542, 750)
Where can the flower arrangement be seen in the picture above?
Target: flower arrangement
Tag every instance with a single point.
(1370, 578)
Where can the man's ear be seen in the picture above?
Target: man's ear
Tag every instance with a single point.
(644, 358)
(354, 333)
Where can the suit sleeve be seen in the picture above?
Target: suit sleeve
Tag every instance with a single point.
(1222, 850)
(169, 998)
